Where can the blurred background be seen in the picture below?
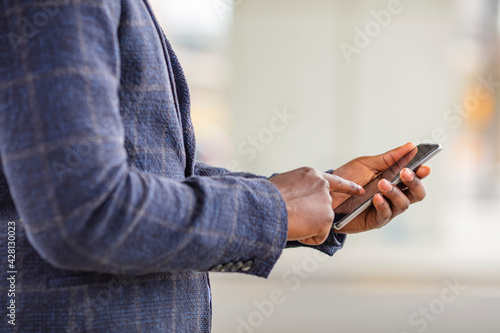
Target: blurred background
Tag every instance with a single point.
(285, 83)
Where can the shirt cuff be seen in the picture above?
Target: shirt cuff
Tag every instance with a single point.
(333, 243)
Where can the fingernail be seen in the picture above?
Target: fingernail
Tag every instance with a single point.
(379, 199)
(385, 185)
(408, 175)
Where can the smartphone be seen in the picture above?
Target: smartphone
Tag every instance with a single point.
(355, 205)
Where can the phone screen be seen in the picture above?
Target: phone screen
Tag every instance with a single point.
(354, 205)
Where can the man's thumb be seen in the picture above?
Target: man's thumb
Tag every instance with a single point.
(385, 160)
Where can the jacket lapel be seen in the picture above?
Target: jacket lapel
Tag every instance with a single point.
(180, 91)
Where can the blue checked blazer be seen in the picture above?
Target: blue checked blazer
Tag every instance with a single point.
(116, 226)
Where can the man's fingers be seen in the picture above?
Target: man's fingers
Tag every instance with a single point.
(383, 210)
(339, 184)
(400, 202)
(401, 151)
(385, 160)
(416, 190)
(423, 172)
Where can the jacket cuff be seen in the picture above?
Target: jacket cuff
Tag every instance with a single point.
(268, 228)
(279, 228)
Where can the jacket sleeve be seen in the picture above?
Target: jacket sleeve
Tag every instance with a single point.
(62, 151)
(202, 169)
(333, 243)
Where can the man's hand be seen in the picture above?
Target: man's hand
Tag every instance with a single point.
(362, 170)
(308, 197)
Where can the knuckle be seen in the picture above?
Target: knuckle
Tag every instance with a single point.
(308, 170)
(323, 235)
(383, 223)
(325, 220)
(338, 180)
(319, 239)
(325, 227)
(330, 216)
(384, 217)
(421, 196)
(385, 220)
(324, 183)
(313, 173)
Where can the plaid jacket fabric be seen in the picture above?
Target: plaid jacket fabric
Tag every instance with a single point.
(116, 226)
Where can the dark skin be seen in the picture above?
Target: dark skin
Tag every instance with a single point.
(311, 195)
(362, 170)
